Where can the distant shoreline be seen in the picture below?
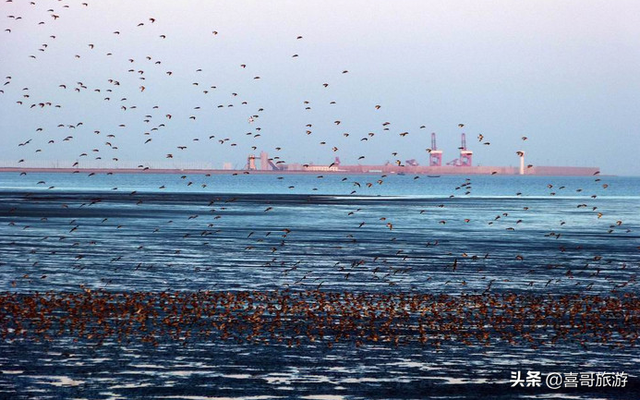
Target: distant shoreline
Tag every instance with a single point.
(433, 172)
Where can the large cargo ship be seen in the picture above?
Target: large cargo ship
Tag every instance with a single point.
(463, 165)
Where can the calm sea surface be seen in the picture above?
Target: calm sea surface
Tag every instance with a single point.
(371, 234)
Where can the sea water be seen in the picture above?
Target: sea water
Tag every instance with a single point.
(367, 233)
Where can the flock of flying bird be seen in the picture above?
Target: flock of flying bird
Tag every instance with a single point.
(177, 310)
(143, 75)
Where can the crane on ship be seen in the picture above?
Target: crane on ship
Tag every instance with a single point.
(435, 155)
(466, 156)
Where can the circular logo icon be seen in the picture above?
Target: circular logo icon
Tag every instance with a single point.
(554, 380)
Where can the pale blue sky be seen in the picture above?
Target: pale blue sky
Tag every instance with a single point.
(562, 73)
